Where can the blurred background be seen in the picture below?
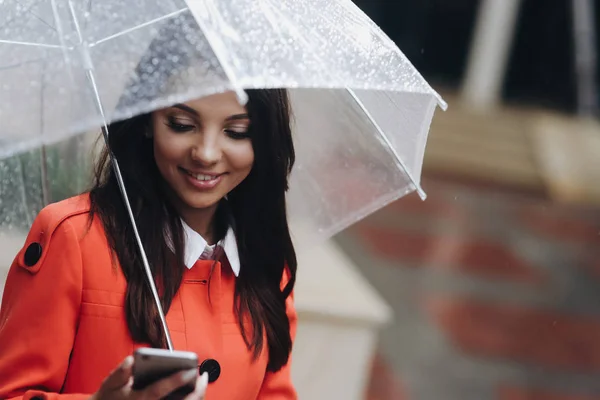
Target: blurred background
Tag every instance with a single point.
(489, 289)
(494, 280)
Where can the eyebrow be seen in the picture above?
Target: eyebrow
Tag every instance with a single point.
(186, 109)
(235, 117)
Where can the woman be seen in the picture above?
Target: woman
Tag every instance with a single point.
(206, 181)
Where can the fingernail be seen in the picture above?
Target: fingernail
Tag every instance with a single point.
(127, 362)
(190, 374)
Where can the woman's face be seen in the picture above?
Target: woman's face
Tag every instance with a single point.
(202, 148)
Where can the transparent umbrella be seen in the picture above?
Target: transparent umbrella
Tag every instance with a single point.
(362, 111)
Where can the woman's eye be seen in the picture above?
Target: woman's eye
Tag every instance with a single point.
(178, 126)
(235, 134)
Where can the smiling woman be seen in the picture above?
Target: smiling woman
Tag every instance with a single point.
(206, 180)
(162, 157)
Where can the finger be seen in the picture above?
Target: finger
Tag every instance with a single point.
(120, 376)
(201, 386)
(163, 387)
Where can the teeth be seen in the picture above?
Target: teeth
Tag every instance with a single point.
(202, 177)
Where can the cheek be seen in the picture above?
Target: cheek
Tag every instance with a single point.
(168, 150)
(241, 157)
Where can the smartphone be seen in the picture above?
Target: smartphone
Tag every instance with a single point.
(151, 365)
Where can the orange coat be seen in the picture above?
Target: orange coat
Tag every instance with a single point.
(62, 323)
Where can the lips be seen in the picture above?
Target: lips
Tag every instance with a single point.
(202, 181)
(201, 176)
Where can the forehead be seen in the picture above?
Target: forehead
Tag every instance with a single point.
(217, 105)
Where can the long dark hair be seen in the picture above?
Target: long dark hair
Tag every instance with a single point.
(258, 209)
(257, 205)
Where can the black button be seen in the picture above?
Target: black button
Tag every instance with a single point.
(212, 367)
(32, 254)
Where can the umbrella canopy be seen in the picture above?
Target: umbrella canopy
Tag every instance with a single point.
(362, 111)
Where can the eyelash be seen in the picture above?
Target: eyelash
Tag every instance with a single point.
(237, 135)
(181, 128)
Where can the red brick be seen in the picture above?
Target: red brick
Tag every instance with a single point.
(397, 245)
(383, 384)
(515, 393)
(594, 267)
(554, 224)
(531, 336)
(454, 181)
(476, 257)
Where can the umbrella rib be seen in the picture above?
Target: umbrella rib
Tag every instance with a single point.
(44, 45)
(242, 96)
(23, 192)
(129, 30)
(387, 141)
(28, 11)
(61, 37)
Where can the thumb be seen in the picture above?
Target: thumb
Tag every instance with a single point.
(119, 377)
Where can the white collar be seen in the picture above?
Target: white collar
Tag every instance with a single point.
(195, 245)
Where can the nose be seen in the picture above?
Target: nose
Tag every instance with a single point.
(207, 150)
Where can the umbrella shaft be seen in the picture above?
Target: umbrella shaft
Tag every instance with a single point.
(115, 165)
(117, 170)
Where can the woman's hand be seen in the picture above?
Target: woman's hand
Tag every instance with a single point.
(117, 385)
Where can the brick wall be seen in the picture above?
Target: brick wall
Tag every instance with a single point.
(496, 295)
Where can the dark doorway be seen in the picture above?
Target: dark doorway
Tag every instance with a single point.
(435, 35)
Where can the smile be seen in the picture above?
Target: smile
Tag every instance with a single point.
(202, 181)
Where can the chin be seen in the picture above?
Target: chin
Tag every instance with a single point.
(201, 202)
